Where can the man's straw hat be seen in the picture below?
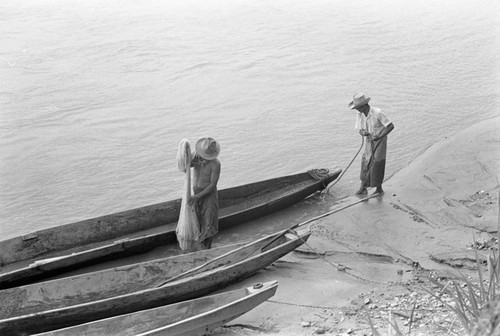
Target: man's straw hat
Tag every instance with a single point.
(358, 100)
(207, 148)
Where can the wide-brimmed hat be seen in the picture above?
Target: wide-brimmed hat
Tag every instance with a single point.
(207, 148)
(358, 100)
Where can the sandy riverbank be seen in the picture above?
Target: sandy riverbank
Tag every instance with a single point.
(374, 256)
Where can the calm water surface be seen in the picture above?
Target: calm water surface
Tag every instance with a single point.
(95, 96)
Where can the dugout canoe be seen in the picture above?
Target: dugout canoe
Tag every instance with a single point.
(194, 317)
(56, 250)
(69, 301)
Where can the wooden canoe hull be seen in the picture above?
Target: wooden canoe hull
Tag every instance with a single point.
(45, 268)
(192, 317)
(33, 309)
(126, 233)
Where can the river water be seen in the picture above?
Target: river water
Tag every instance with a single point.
(95, 96)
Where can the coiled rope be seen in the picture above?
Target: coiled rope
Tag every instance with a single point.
(318, 174)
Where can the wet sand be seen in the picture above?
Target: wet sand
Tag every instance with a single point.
(374, 257)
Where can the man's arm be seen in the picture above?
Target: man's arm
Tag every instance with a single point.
(214, 179)
(388, 129)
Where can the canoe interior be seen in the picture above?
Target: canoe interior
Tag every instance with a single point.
(51, 305)
(186, 315)
(242, 204)
(122, 280)
(237, 205)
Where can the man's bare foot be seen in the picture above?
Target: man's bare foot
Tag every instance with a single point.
(361, 191)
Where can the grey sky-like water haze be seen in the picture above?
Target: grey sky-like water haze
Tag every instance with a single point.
(96, 96)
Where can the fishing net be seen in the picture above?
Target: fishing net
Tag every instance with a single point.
(188, 229)
(184, 156)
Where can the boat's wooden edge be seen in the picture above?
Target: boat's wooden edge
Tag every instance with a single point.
(88, 231)
(125, 213)
(117, 249)
(265, 290)
(268, 288)
(14, 278)
(279, 203)
(46, 267)
(58, 313)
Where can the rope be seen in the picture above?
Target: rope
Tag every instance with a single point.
(318, 174)
(339, 267)
(301, 305)
(401, 312)
(278, 235)
(370, 163)
(350, 163)
(334, 211)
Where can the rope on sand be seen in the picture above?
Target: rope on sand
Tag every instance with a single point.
(336, 210)
(291, 228)
(339, 267)
(301, 305)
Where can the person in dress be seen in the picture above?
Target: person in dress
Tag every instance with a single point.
(206, 173)
(374, 125)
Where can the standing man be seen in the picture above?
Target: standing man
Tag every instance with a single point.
(205, 177)
(374, 125)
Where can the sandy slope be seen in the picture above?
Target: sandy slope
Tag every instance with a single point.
(374, 255)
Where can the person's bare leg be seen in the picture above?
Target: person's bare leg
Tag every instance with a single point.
(207, 243)
(379, 190)
(362, 190)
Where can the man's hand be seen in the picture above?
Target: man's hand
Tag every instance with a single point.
(195, 160)
(364, 132)
(198, 161)
(192, 200)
